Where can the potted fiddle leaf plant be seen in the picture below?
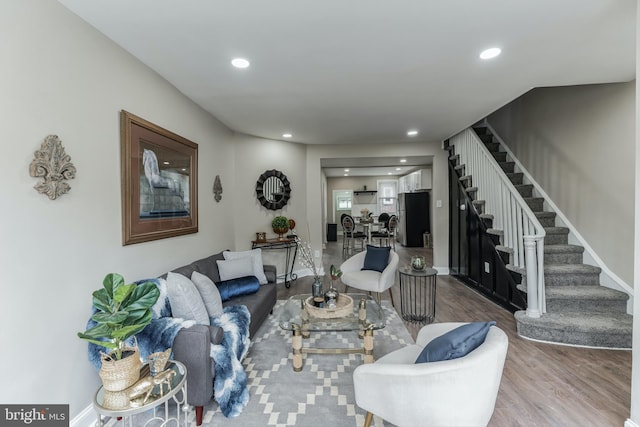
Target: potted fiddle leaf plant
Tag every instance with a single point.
(121, 311)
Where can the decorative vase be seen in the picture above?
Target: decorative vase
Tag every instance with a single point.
(316, 288)
(331, 297)
(280, 231)
(417, 262)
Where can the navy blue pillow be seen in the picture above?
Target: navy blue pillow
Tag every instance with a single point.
(456, 343)
(237, 287)
(376, 258)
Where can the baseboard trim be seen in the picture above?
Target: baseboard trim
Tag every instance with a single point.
(442, 270)
(630, 423)
(86, 418)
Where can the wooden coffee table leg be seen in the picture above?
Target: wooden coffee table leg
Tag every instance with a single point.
(297, 350)
(368, 346)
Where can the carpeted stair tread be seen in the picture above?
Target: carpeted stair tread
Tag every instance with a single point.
(563, 254)
(508, 167)
(502, 248)
(585, 299)
(486, 216)
(585, 292)
(604, 330)
(500, 156)
(556, 230)
(525, 190)
(547, 219)
(571, 269)
(555, 249)
(481, 130)
(516, 177)
(495, 231)
(571, 274)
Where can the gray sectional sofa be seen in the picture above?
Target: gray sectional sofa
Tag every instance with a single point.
(192, 345)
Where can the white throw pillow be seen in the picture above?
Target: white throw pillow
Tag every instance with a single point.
(256, 259)
(186, 302)
(209, 293)
(234, 268)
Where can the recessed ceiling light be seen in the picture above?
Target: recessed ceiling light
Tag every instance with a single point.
(403, 160)
(389, 173)
(346, 170)
(287, 135)
(240, 63)
(490, 53)
(165, 163)
(346, 174)
(412, 132)
(398, 169)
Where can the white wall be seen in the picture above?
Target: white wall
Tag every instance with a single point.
(254, 156)
(577, 142)
(60, 76)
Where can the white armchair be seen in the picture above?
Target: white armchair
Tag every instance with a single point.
(458, 392)
(369, 280)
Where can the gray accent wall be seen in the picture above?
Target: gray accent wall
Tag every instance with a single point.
(578, 143)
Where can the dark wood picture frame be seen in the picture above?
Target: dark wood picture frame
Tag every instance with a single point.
(159, 182)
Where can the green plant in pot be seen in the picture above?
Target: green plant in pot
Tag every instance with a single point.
(280, 225)
(122, 311)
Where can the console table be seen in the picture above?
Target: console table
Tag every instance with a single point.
(291, 250)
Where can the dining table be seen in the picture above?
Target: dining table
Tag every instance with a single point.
(368, 227)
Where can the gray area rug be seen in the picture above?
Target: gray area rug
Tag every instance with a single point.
(322, 394)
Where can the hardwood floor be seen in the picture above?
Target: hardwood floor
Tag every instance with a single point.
(542, 384)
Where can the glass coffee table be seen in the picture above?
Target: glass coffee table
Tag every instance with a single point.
(364, 316)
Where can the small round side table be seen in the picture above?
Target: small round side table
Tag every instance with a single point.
(418, 294)
(159, 405)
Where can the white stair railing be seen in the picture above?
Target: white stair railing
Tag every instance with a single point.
(523, 233)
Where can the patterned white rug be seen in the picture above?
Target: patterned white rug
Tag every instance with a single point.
(320, 395)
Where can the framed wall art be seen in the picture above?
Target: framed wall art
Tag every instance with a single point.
(159, 182)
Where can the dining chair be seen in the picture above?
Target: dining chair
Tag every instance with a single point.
(388, 233)
(350, 236)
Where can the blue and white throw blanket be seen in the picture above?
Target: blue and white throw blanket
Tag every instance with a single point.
(230, 382)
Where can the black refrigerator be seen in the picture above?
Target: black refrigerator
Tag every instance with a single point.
(413, 218)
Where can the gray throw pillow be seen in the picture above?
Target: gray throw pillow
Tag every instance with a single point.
(186, 302)
(209, 293)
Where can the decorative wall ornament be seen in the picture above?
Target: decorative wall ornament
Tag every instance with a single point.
(217, 188)
(53, 165)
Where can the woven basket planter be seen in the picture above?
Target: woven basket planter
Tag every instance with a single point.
(117, 375)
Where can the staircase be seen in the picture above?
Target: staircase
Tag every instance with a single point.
(579, 310)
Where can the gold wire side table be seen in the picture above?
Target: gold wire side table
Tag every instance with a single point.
(418, 294)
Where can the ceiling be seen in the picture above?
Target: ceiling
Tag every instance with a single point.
(366, 71)
(373, 166)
